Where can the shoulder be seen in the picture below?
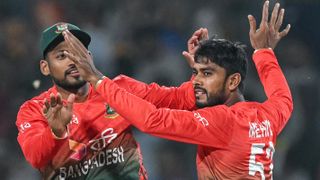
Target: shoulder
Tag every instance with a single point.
(123, 81)
(248, 112)
(33, 106)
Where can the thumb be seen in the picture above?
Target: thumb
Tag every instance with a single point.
(189, 58)
(70, 102)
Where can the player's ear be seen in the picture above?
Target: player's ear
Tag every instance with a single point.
(44, 67)
(233, 81)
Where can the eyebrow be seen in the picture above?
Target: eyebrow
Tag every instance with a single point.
(207, 69)
(58, 50)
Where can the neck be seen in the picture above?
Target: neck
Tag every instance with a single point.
(81, 93)
(234, 97)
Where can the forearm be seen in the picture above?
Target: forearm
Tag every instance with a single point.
(270, 74)
(279, 103)
(39, 146)
(181, 97)
(178, 125)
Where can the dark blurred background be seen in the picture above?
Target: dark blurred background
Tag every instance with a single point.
(144, 39)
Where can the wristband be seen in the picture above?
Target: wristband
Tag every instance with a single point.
(99, 82)
(261, 49)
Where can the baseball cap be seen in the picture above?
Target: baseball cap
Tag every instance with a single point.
(52, 36)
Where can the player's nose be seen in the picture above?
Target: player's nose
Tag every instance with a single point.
(196, 81)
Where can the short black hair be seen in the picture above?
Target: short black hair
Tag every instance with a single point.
(229, 55)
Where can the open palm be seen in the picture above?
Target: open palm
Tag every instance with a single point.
(268, 34)
(57, 114)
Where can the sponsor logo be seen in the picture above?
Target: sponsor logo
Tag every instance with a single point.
(24, 126)
(80, 149)
(201, 119)
(107, 136)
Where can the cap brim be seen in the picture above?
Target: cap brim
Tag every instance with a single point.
(81, 35)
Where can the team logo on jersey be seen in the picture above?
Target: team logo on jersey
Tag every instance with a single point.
(110, 113)
(61, 27)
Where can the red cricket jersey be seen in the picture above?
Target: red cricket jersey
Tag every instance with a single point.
(235, 142)
(100, 144)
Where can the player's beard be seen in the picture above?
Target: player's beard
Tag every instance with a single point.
(213, 99)
(65, 84)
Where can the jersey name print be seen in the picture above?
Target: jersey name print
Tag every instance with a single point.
(260, 130)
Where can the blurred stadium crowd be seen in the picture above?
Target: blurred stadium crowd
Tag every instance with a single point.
(144, 39)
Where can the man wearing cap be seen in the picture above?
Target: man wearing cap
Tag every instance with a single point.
(70, 132)
(236, 138)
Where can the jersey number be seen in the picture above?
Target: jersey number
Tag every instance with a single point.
(257, 149)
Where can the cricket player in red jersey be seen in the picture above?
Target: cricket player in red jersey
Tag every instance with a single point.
(70, 132)
(236, 139)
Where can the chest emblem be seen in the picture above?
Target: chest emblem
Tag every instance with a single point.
(110, 112)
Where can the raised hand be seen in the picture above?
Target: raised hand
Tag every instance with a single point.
(58, 114)
(193, 44)
(268, 35)
(275, 25)
(82, 58)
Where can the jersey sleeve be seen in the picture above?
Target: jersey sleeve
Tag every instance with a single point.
(181, 97)
(207, 127)
(279, 103)
(35, 137)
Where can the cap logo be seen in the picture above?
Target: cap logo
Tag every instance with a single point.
(61, 28)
